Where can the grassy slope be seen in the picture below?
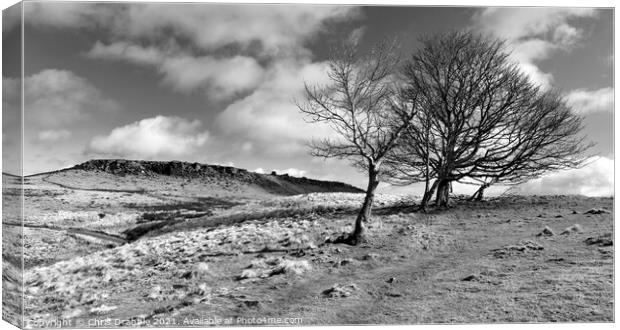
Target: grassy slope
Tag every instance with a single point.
(194, 270)
(427, 255)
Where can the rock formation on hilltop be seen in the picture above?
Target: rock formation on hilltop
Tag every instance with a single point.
(282, 184)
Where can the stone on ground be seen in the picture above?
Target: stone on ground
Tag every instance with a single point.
(546, 232)
(576, 228)
(340, 291)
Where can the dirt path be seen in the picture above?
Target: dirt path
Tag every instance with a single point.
(117, 240)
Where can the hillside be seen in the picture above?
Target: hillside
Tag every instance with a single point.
(478, 262)
(223, 176)
(151, 241)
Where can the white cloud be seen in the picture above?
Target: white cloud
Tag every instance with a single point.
(228, 163)
(533, 34)
(152, 138)
(292, 172)
(264, 29)
(230, 50)
(54, 135)
(222, 77)
(268, 118)
(594, 179)
(58, 105)
(254, 38)
(219, 77)
(515, 23)
(532, 50)
(537, 76)
(566, 35)
(272, 29)
(587, 101)
(56, 97)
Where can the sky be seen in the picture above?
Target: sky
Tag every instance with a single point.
(216, 83)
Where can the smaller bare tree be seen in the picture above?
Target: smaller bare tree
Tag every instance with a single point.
(362, 106)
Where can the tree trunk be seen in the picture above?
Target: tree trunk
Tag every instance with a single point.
(443, 193)
(364, 215)
(479, 194)
(427, 170)
(428, 193)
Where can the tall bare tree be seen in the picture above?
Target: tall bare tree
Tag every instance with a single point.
(363, 107)
(483, 118)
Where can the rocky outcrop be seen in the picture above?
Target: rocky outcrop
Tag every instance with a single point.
(273, 183)
(141, 167)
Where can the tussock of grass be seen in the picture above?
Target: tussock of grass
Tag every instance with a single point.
(262, 268)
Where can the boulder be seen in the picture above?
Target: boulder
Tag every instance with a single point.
(596, 211)
(546, 232)
(576, 228)
(339, 291)
(602, 240)
(470, 278)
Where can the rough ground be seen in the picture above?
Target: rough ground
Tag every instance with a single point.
(131, 252)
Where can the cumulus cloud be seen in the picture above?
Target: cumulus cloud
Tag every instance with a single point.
(267, 29)
(588, 101)
(53, 135)
(269, 35)
(225, 76)
(267, 119)
(533, 34)
(532, 50)
(152, 138)
(56, 97)
(566, 35)
(594, 179)
(218, 77)
(515, 23)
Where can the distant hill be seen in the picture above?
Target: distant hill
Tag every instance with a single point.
(278, 184)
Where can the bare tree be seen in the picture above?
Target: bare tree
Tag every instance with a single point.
(483, 118)
(363, 108)
(544, 138)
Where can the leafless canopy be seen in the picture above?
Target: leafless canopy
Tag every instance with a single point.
(360, 105)
(363, 107)
(483, 118)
